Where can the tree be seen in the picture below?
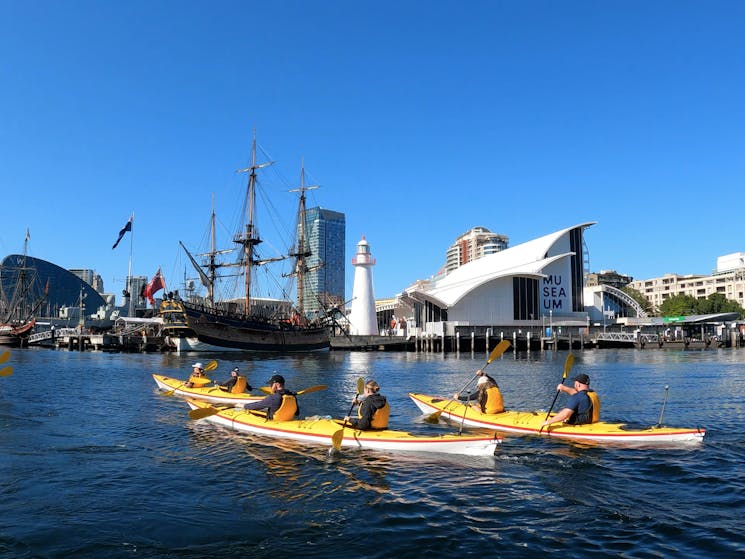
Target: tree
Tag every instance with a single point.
(640, 298)
(679, 305)
(684, 305)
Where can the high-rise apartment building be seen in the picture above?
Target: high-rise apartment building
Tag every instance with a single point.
(324, 282)
(472, 245)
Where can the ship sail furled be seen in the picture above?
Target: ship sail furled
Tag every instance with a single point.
(273, 327)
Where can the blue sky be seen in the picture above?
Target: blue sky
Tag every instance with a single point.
(419, 121)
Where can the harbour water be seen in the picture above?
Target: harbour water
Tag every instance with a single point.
(94, 462)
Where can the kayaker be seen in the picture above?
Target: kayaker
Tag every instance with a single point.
(373, 411)
(281, 404)
(579, 408)
(487, 397)
(232, 381)
(197, 371)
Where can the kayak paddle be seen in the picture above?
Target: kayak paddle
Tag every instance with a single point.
(662, 411)
(6, 371)
(338, 436)
(567, 367)
(4, 356)
(496, 352)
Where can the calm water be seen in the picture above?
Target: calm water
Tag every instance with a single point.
(95, 463)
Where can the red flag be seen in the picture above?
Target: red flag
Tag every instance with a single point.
(156, 284)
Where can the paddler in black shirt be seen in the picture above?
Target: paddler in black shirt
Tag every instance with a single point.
(373, 411)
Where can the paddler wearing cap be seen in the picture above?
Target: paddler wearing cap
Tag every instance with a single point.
(583, 405)
(487, 398)
(280, 405)
(197, 372)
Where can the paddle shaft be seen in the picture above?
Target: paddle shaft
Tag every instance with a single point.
(337, 438)
(496, 352)
(662, 411)
(567, 367)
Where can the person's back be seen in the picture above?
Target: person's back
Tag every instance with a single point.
(280, 405)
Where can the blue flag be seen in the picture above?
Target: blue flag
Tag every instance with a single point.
(127, 227)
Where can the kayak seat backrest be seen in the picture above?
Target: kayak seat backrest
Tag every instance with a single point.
(494, 402)
(239, 386)
(595, 399)
(380, 417)
(199, 382)
(287, 409)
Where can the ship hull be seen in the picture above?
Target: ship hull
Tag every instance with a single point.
(226, 332)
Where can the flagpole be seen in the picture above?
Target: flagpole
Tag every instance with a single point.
(129, 272)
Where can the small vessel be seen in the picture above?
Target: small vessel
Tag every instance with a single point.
(21, 296)
(211, 394)
(249, 325)
(330, 432)
(529, 423)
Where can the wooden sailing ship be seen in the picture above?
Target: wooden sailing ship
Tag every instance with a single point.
(250, 324)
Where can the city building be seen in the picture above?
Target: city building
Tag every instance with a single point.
(472, 245)
(534, 283)
(323, 286)
(90, 277)
(728, 279)
(607, 277)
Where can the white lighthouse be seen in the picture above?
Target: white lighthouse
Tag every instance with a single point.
(362, 319)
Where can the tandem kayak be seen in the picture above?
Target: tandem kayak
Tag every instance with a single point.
(211, 394)
(324, 431)
(529, 423)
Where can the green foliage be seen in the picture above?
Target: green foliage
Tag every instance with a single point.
(639, 297)
(685, 305)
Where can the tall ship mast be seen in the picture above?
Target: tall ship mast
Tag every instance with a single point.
(18, 302)
(252, 325)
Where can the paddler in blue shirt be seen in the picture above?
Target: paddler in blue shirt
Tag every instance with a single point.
(374, 410)
(281, 404)
(579, 407)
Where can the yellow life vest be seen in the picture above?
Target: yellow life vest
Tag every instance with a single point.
(380, 417)
(287, 409)
(494, 403)
(595, 399)
(199, 382)
(239, 386)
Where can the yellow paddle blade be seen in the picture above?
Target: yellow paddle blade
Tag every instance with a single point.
(568, 364)
(337, 438)
(316, 388)
(4, 356)
(433, 417)
(211, 366)
(502, 346)
(200, 413)
(6, 371)
(360, 385)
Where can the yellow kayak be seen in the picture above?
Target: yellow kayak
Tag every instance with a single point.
(211, 394)
(324, 431)
(529, 423)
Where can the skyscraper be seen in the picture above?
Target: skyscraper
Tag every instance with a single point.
(325, 234)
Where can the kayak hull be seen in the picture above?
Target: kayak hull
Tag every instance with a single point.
(529, 423)
(210, 394)
(319, 430)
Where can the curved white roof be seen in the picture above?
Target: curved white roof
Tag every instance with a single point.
(524, 260)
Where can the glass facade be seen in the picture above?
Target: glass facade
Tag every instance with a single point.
(326, 238)
(63, 286)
